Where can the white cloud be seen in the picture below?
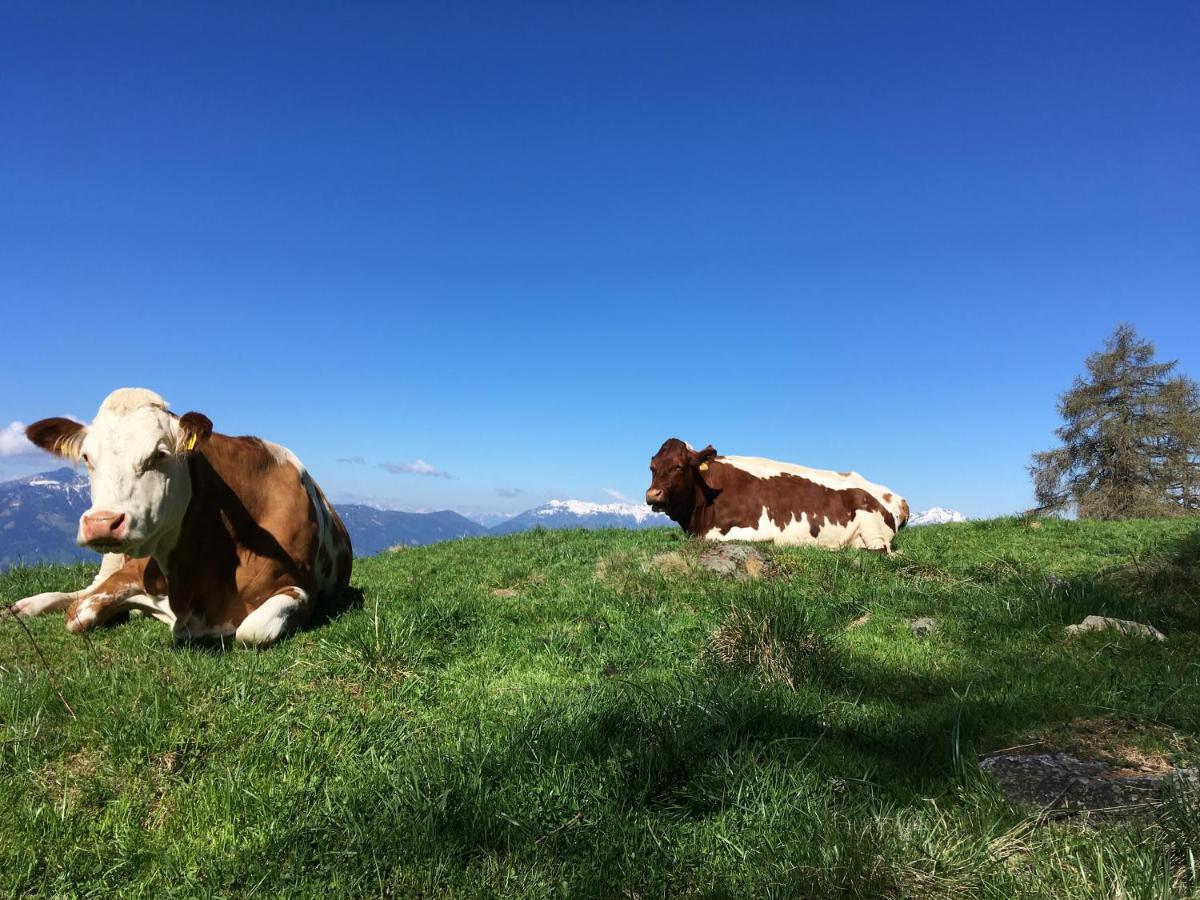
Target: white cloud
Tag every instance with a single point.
(416, 467)
(617, 495)
(13, 441)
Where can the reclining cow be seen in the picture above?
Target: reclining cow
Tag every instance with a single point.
(215, 535)
(745, 498)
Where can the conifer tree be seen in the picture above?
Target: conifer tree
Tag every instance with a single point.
(1130, 438)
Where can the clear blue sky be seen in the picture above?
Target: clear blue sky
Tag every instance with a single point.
(525, 243)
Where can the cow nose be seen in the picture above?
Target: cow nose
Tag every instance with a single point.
(104, 526)
(654, 495)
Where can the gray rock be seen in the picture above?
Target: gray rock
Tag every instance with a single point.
(1103, 623)
(923, 627)
(734, 559)
(1060, 781)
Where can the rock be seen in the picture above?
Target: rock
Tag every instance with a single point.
(1103, 623)
(923, 627)
(1060, 781)
(732, 559)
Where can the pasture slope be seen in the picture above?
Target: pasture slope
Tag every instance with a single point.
(616, 723)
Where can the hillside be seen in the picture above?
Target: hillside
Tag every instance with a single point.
(589, 713)
(372, 530)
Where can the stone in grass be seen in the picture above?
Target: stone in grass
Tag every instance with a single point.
(1057, 781)
(1103, 623)
(734, 559)
(923, 627)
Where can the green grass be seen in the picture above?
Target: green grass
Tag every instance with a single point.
(620, 727)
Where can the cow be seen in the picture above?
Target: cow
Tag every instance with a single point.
(746, 498)
(216, 535)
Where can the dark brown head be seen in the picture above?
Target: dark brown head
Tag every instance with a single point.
(675, 474)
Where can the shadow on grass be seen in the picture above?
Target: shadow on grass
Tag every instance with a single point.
(1161, 589)
(350, 598)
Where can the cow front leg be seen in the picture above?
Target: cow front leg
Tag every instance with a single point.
(280, 614)
(98, 609)
(51, 601)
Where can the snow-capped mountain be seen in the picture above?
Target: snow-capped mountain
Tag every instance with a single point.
(39, 516)
(936, 515)
(581, 514)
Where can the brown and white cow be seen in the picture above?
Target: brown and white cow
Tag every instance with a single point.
(746, 498)
(215, 535)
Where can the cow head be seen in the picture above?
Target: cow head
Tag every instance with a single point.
(136, 457)
(675, 472)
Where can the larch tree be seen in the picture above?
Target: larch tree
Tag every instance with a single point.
(1130, 439)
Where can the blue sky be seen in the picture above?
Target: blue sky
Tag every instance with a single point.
(525, 243)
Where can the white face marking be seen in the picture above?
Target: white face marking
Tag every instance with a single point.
(769, 468)
(866, 530)
(135, 471)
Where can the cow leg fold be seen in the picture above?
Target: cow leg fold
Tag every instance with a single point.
(278, 615)
(52, 601)
(43, 603)
(99, 609)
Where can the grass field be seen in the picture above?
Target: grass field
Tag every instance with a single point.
(616, 723)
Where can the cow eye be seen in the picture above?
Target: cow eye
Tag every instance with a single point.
(154, 459)
(87, 460)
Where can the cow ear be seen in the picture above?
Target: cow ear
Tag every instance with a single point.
(701, 458)
(193, 427)
(62, 437)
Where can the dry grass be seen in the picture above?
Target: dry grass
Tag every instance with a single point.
(746, 640)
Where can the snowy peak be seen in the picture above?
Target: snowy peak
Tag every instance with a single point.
(582, 514)
(60, 479)
(639, 513)
(937, 515)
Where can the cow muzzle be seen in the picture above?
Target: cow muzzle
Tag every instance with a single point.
(103, 528)
(655, 497)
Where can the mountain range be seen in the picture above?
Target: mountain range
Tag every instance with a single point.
(580, 514)
(39, 515)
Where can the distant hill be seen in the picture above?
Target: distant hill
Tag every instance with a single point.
(39, 516)
(580, 514)
(373, 530)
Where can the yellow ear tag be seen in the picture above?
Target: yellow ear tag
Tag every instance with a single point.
(703, 467)
(191, 444)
